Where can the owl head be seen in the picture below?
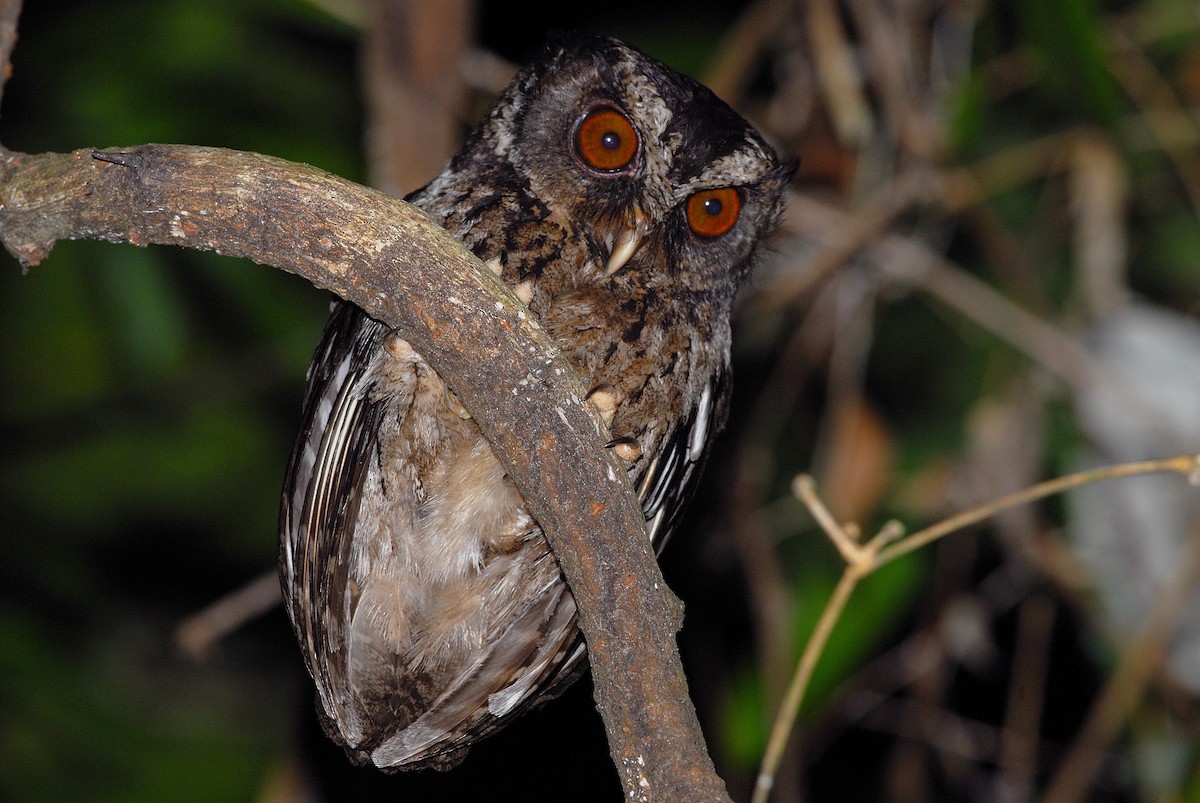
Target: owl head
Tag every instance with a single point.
(659, 178)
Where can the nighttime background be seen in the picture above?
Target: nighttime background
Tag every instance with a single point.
(989, 275)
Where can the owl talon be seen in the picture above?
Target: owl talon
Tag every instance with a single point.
(604, 399)
(456, 406)
(625, 447)
(398, 347)
(524, 292)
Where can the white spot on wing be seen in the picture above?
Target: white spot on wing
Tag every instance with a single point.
(699, 434)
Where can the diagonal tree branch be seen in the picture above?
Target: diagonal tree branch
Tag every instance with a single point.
(400, 267)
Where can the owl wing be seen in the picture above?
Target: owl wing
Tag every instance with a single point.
(321, 494)
(669, 482)
(540, 651)
(505, 678)
(325, 484)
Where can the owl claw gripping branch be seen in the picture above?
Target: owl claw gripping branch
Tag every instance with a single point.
(624, 202)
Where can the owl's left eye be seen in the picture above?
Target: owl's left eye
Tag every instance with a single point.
(605, 140)
(711, 213)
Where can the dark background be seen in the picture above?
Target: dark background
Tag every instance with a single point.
(148, 398)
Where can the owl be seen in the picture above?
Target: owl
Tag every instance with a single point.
(623, 203)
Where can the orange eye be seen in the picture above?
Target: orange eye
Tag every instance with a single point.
(606, 140)
(711, 213)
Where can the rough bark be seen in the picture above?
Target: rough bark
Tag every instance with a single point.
(400, 267)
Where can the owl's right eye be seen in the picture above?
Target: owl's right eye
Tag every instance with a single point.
(605, 140)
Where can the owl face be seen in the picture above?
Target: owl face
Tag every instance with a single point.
(642, 163)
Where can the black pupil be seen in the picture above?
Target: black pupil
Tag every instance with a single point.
(611, 140)
(713, 206)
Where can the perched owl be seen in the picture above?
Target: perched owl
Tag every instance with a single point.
(623, 202)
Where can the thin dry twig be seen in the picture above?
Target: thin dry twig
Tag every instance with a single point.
(841, 80)
(1139, 660)
(198, 634)
(1017, 754)
(840, 235)
(745, 42)
(864, 559)
(1163, 113)
(884, 38)
(1187, 465)
(859, 563)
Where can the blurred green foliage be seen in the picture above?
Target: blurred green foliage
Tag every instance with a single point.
(148, 398)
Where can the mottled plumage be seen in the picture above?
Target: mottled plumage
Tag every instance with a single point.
(623, 202)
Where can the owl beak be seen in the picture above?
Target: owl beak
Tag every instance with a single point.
(625, 244)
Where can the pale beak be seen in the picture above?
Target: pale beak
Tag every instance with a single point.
(625, 244)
